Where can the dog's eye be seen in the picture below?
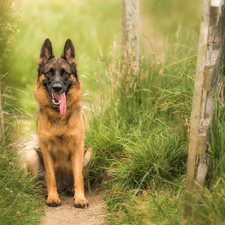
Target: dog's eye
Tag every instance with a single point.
(64, 73)
(49, 73)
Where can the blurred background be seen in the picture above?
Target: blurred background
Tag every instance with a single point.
(93, 26)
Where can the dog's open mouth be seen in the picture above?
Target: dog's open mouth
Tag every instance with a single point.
(55, 102)
(59, 100)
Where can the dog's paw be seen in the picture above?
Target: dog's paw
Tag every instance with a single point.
(81, 203)
(70, 191)
(53, 200)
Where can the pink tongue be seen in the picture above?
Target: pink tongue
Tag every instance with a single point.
(62, 106)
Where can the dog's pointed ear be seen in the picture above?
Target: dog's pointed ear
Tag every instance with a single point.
(46, 52)
(69, 52)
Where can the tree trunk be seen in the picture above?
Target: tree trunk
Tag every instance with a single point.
(196, 106)
(130, 30)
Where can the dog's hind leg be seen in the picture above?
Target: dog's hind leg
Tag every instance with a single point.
(70, 191)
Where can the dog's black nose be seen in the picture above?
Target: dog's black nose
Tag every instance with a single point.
(57, 87)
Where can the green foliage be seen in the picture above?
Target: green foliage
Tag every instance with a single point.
(157, 206)
(138, 136)
(218, 141)
(161, 157)
(20, 194)
(8, 30)
(138, 132)
(162, 202)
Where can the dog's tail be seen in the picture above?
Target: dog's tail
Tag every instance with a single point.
(28, 156)
(87, 155)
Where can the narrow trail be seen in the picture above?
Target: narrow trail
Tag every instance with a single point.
(69, 215)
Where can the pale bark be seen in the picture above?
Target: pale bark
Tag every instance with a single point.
(196, 105)
(130, 30)
(207, 73)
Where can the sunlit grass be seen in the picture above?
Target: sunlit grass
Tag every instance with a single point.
(139, 138)
(142, 121)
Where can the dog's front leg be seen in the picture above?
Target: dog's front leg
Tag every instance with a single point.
(77, 165)
(53, 197)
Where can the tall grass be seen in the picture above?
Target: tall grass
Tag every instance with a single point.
(139, 137)
(162, 203)
(19, 195)
(138, 132)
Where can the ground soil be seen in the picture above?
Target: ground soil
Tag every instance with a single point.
(67, 214)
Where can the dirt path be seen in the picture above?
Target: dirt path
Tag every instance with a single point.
(69, 215)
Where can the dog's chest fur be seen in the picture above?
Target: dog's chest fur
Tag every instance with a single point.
(61, 138)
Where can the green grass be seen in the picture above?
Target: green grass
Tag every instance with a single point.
(138, 136)
(20, 195)
(163, 204)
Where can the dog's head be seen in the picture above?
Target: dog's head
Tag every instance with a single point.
(58, 73)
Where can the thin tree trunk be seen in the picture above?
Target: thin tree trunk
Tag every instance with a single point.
(130, 30)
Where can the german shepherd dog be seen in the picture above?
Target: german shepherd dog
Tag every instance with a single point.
(60, 125)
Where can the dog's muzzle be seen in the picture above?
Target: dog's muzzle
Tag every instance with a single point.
(57, 87)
